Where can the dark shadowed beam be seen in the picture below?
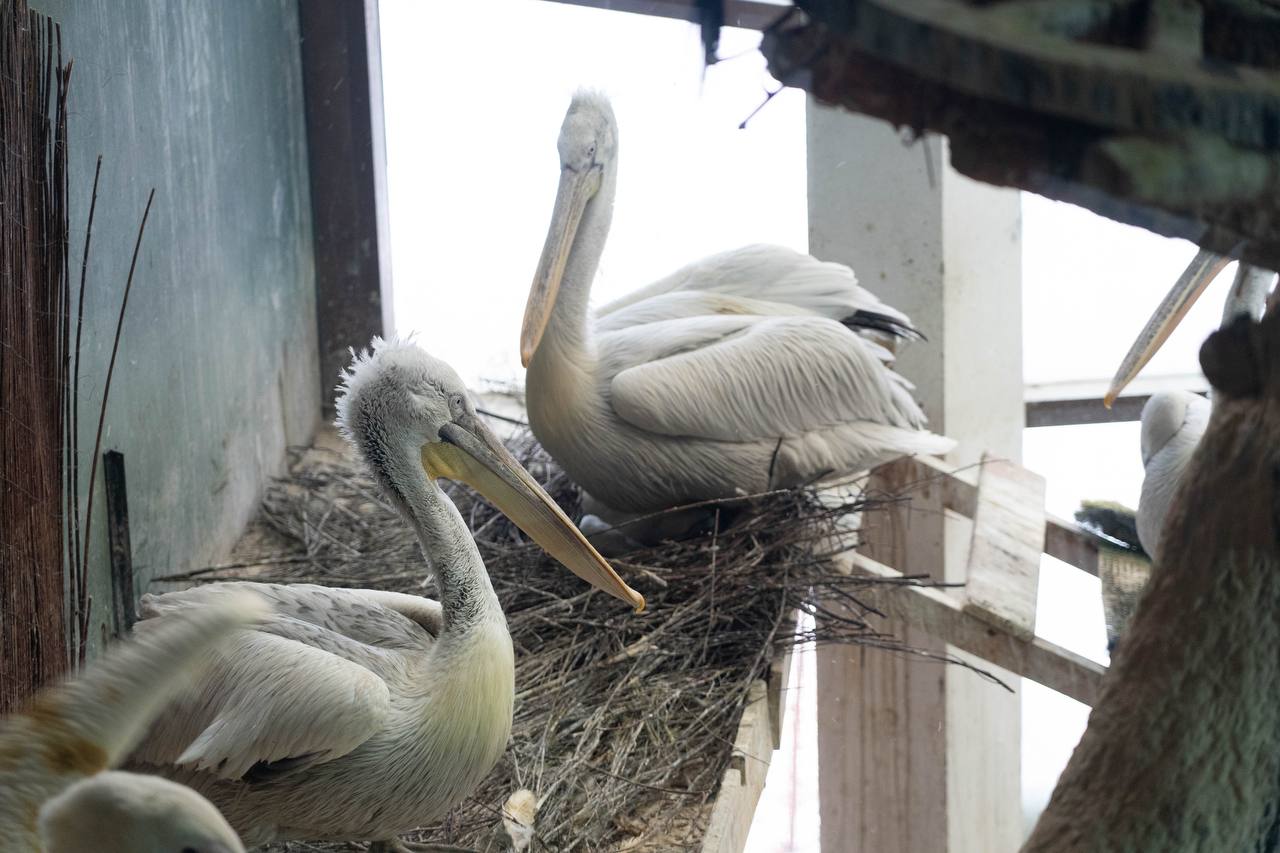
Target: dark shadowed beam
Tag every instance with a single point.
(737, 13)
(342, 77)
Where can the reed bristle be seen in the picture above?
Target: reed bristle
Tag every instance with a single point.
(34, 353)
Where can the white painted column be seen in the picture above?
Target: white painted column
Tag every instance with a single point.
(916, 756)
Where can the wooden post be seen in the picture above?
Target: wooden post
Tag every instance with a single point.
(342, 74)
(914, 755)
(123, 594)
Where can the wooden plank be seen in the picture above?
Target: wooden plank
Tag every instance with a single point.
(342, 87)
(123, 591)
(1003, 574)
(778, 678)
(746, 14)
(959, 488)
(1065, 541)
(942, 616)
(1062, 539)
(735, 805)
(882, 719)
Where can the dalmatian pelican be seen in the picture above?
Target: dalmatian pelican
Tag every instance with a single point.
(1173, 422)
(358, 715)
(57, 794)
(749, 370)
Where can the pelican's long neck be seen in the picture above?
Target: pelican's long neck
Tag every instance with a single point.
(466, 594)
(568, 334)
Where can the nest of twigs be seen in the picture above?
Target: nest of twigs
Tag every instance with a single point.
(624, 724)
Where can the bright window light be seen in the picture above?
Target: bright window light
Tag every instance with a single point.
(472, 165)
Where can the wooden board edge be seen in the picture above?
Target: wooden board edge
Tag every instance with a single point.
(779, 678)
(735, 805)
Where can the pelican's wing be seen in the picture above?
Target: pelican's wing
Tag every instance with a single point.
(304, 688)
(772, 279)
(93, 720)
(749, 378)
(373, 617)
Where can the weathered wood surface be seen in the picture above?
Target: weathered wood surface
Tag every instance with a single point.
(124, 593)
(777, 680)
(1004, 553)
(943, 615)
(735, 805)
(1063, 540)
(883, 737)
(1098, 104)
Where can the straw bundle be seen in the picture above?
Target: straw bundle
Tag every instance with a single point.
(35, 330)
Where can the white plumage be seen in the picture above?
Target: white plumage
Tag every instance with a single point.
(1172, 424)
(748, 370)
(56, 793)
(362, 714)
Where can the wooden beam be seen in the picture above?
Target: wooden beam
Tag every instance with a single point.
(123, 592)
(1004, 553)
(1037, 146)
(1063, 540)
(779, 676)
(943, 616)
(1047, 413)
(737, 13)
(341, 73)
(735, 805)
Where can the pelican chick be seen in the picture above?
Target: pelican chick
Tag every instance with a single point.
(56, 793)
(358, 715)
(743, 372)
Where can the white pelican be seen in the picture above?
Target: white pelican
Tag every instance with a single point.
(1172, 422)
(1182, 751)
(56, 793)
(734, 375)
(359, 715)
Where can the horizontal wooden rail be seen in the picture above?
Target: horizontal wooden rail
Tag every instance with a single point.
(943, 615)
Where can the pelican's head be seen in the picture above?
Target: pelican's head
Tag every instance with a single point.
(1165, 415)
(588, 146)
(116, 812)
(402, 408)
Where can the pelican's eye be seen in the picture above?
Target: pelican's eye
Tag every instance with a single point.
(457, 405)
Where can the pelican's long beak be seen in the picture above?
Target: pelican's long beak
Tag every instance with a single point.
(576, 189)
(1203, 269)
(469, 452)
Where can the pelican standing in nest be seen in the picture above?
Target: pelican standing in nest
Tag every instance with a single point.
(56, 793)
(358, 715)
(1174, 421)
(750, 370)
